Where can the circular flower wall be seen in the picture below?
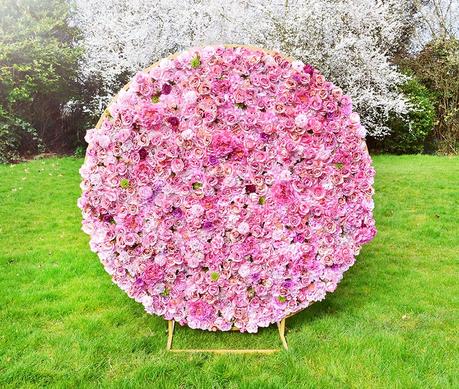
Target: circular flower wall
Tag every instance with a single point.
(228, 187)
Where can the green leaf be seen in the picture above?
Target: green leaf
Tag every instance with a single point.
(165, 292)
(195, 62)
(124, 183)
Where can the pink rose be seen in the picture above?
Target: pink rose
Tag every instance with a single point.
(103, 141)
(149, 115)
(177, 165)
(145, 192)
(283, 192)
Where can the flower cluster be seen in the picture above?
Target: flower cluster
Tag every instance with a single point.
(228, 187)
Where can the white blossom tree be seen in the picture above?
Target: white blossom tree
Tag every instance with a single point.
(349, 41)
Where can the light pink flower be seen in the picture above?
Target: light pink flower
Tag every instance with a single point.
(177, 165)
(243, 228)
(103, 141)
(301, 120)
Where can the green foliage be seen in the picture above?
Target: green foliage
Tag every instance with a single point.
(38, 65)
(16, 135)
(124, 183)
(409, 132)
(79, 152)
(195, 62)
(437, 67)
(391, 323)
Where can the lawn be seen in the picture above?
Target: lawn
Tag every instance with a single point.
(393, 321)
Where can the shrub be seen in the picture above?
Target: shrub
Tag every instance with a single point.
(79, 152)
(16, 136)
(409, 132)
(437, 67)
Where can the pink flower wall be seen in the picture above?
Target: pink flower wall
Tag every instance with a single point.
(228, 187)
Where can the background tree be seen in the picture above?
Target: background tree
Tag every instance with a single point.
(38, 76)
(410, 132)
(434, 60)
(437, 67)
(437, 18)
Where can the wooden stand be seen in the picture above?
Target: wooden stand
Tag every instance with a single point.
(170, 335)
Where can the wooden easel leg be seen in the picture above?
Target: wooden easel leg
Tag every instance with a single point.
(170, 333)
(281, 327)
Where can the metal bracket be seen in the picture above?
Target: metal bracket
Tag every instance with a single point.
(170, 336)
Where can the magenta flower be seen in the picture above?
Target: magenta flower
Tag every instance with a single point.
(308, 69)
(143, 153)
(173, 121)
(200, 311)
(222, 144)
(166, 89)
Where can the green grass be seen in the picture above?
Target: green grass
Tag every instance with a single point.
(393, 321)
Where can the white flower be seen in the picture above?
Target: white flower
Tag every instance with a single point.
(187, 134)
(196, 210)
(89, 135)
(284, 174)
(301, 120)
(297, 65)
(146, 300)
(243, 228)
(269, 60)
(244, 270)
(160, 259)
(361, 132)
(190, 97)
(277, 234)
(354, 118)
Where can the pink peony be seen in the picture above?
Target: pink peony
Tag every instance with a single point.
(149, 115)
